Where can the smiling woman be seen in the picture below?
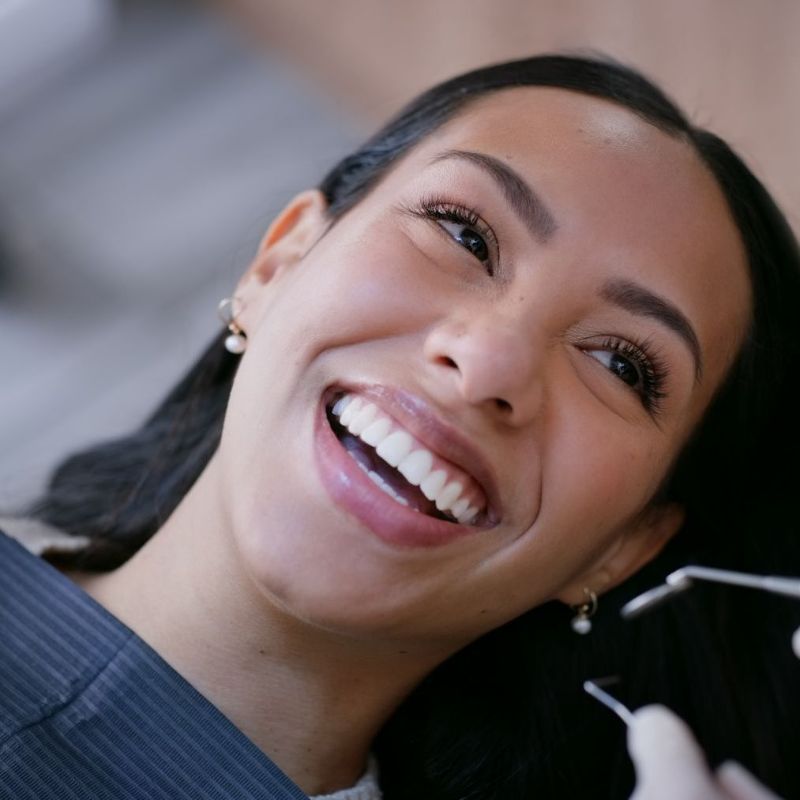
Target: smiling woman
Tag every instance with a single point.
(535, 342)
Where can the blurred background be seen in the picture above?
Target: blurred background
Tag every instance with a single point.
(146, 144)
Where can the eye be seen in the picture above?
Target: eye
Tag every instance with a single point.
(463, 226)
(618, 365)
(469, 238)
(643, 373)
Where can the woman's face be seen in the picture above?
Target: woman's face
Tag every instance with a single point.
(543, 295)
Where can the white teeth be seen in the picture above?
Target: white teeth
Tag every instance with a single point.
(341, 404)
(459, 507)
(433, 484)
(415, 467)
(448, 495)
(351, 410)
(395, 447)
(376, 432)
(362, 419)
(469, 515)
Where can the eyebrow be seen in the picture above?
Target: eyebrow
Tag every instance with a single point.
(527, 205)
(635, 298)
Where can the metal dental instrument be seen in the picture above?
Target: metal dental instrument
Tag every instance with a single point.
(682, 579)
(677, 582)
(620, 709)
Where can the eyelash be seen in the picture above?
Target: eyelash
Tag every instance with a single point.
(436, 208)
(651, 368)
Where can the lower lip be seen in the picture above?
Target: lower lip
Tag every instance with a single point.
(353, 491)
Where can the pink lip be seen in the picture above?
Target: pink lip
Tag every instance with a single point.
(353, 491)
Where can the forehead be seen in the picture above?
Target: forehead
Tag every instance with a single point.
(625, 195)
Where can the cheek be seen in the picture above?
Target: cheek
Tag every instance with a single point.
(361, 288)
(598, 473)
(607, 470)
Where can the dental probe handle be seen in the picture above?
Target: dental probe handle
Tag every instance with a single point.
(682, 577)
(768, 583)
(786, 586)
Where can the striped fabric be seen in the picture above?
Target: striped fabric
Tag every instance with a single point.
(89, 712)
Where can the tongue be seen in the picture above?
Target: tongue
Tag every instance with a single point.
(367, 457)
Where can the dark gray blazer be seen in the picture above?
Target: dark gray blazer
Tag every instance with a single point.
(88, 711)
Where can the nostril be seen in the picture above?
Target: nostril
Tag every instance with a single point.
(503, 405)
(446, 361)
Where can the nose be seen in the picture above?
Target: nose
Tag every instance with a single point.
(492, 362)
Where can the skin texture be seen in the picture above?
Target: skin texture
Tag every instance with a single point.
(290, 615)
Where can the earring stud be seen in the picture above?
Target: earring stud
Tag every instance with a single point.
(582, 621)
(236, 341)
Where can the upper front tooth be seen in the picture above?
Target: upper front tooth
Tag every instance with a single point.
(351, 410)
(362, 418)
(376, 432)
(433, 484)
(415, 467)
(395, 447)
(448, 495)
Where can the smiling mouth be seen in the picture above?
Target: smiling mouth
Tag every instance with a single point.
(401, 466)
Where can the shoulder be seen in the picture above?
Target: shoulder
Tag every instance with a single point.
(86, 704)
(52, 638)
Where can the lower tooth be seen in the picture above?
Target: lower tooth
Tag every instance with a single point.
(381, 484)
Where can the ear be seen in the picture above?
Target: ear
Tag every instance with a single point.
(635, 547)
(290, 236)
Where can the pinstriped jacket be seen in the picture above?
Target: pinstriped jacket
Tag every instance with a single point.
(88, 711)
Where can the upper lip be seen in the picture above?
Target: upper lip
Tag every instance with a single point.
(417, 416)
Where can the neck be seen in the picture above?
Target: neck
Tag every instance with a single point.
(312, 700)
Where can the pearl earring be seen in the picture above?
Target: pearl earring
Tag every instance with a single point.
(236, 341)
(582, 621)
